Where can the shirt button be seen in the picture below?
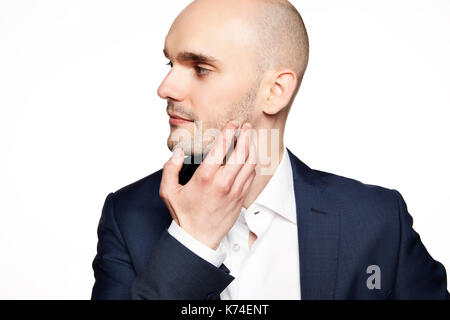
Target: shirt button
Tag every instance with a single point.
(236, 247)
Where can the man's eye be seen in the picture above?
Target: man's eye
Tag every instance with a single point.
(202, 71)
(169, 64)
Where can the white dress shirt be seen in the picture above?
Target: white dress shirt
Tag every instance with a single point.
(270, 268)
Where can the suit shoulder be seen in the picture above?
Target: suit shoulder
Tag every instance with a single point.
(145, 185)
(354, 192)
(338, 186)
(143, 193)
(350, 184)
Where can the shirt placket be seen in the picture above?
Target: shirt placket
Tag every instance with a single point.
(237, 251)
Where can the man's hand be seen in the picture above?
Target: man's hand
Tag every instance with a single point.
(209, 204)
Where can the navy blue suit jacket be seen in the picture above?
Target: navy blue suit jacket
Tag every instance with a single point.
(344, 226)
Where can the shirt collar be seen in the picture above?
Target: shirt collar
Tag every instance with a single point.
(278, 194)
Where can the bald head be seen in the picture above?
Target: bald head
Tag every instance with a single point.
(282, 38)
(274, 28)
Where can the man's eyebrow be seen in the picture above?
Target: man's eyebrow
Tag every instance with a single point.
(193, 56)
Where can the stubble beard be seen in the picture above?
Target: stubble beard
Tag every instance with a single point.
(200, 141)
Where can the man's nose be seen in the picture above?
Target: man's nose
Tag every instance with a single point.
(173, 86)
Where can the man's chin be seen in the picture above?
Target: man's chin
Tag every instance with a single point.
(187, 148)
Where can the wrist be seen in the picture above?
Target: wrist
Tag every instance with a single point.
(211, 241)
(214, 256)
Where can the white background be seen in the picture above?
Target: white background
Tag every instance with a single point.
(80, 117)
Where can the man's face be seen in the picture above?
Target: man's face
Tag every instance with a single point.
(213, 76)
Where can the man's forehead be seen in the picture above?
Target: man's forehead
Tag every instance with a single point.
(209, 38)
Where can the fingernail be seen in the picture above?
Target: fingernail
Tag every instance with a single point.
(235, 123)
(248, 125)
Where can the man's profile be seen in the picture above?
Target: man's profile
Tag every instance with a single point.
(234, 214)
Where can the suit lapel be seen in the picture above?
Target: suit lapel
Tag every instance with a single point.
(318, 233)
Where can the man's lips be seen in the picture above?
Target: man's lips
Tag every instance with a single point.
(175, 119)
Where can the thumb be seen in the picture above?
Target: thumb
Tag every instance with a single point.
(169, 180)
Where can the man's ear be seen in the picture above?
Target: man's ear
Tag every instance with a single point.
(281, 87)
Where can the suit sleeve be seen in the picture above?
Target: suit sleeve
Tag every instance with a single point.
(418, 276)
(171, 272)
(175, 273)
(113, 270)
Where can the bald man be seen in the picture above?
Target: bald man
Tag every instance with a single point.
(234, 214)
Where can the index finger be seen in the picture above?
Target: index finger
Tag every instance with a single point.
(215, 157)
